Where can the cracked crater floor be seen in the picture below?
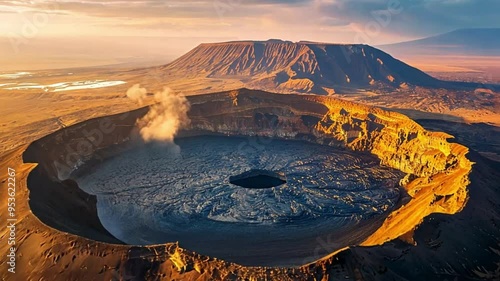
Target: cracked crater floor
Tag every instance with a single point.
(155, 194)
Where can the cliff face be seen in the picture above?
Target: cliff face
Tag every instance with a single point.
(301, 66)
(437, 182)
(437, 171)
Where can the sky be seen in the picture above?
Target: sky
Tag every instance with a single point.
(121, 29)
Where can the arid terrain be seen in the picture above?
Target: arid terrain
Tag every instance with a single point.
(361, 73)
(445, 228)
(437, 186)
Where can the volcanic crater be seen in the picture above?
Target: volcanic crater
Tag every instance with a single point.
(258, 179)
(155, 194)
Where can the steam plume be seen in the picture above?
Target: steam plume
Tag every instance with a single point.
(165, 117)
(136, 93)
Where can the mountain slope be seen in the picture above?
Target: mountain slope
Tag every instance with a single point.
(301, 66)
(478, 41)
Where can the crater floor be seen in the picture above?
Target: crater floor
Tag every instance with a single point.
(155, 194)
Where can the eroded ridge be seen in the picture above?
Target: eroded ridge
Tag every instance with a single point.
(437, 170)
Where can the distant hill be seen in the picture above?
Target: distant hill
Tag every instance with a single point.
(477, 41)
(298, 66)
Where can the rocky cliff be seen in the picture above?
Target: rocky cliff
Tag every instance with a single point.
(74, 247)
(437, 170)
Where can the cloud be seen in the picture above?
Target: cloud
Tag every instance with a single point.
(417, 17)
(157, 8)
(319, 20)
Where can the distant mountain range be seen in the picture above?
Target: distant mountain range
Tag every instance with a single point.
(478, 41)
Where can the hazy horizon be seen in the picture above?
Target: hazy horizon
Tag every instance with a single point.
(65, 34)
